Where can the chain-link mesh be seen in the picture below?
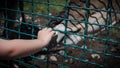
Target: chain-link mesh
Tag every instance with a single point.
(88, 32)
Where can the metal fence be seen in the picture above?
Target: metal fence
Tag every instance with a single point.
(88, 32)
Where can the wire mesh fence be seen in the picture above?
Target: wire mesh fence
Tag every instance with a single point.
(88, 32)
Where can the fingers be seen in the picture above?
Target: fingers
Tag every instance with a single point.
(50, 30)
(47, 29)
(52, 33)
(44, 29)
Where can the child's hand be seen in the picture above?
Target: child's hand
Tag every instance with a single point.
(45, 36)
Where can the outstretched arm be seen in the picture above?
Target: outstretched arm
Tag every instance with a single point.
(20, 48)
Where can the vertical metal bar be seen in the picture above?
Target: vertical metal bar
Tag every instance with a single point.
(48, 11)
(66, 14)
(109, 20)
(33, 25)
(19, 15)
(85, 31)
(6, 25)
(6, 22)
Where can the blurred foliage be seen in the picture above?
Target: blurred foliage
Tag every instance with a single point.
(41, 6)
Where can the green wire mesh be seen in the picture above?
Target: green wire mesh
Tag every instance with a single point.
(98, 48)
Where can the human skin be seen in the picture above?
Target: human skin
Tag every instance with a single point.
(17, 48)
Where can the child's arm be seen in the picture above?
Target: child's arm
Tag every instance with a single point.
(20, 48)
